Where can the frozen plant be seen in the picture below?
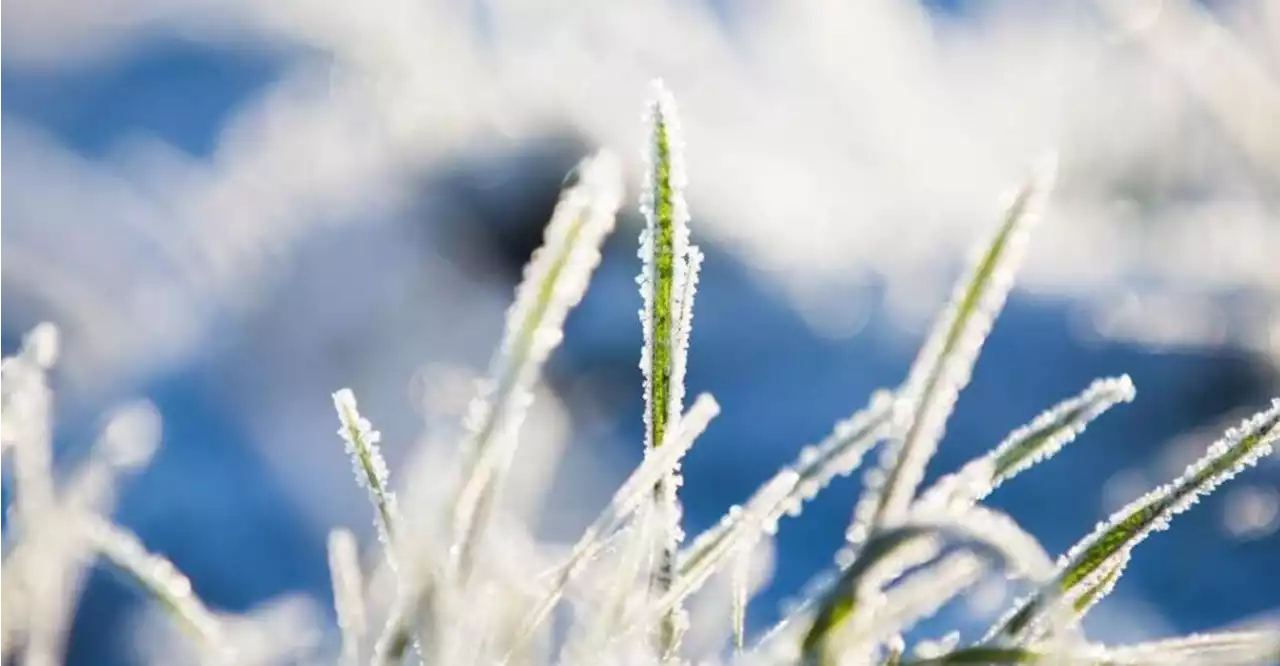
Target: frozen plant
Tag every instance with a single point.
(470, 585)
(910, 550)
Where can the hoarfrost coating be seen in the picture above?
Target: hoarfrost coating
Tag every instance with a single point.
(481, 594)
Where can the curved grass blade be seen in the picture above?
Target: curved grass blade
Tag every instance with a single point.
(917, 597)
(1102, 553)
(945, 362)
(53, 558)
(1030, 444)
(881, 558)
(161, 581)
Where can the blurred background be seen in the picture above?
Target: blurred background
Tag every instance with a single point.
(234, 208)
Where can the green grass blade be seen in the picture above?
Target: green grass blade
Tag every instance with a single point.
(371, 473)
(888, 552)
(1230, 648)
(945, 362)
(668, 280)
(838, 454)
(979, 656)
(1083, 602)
(161, 581)
(1030, 444)
(918, 596)
(1103, 552)
(554, 282)
(842, 599)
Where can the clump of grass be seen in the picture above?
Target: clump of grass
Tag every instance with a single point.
(472, 588)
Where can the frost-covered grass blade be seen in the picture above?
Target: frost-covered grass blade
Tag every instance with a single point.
(348, 586)
(1102, 554)
(370, 468)
(945, 362)
(467, 584)
(626, 502)
(668, 280)
(838, 454)
(894, 550)
(162, 582)
(1230, 648)
(554, 282)
(917, 597)
(1030, 444)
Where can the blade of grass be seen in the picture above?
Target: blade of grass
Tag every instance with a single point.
(161, 581)
(26, 418)
(1102, 553)
(880, 560)
(344, 569)
(361, 442)
(625, 502)
(1086, 599)
(554, 282)
(1030, 444)
(668, 281)
(838, 454)
(918, 596)
(945, 362)
(1229, 648)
